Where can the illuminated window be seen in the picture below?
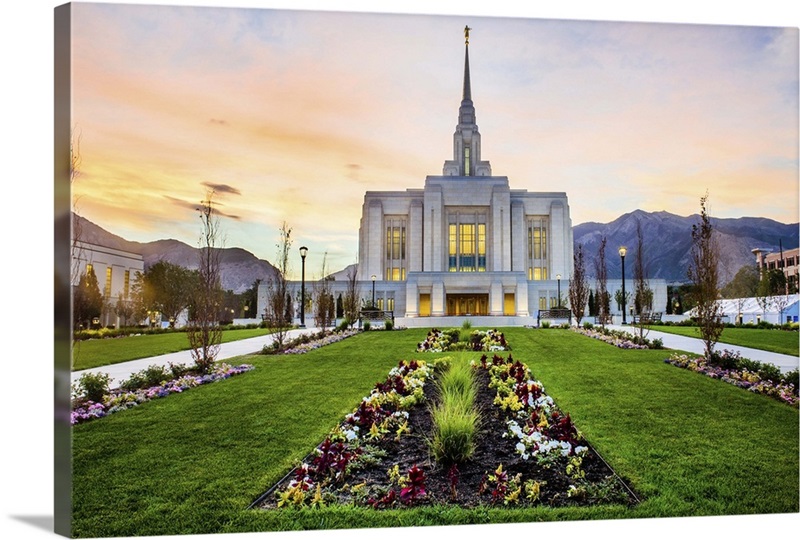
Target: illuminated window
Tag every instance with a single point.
(537, 248)
(466, 246)
(453, 248)
(107, 287)
(126, 287)
(395, 249)
(466, 243)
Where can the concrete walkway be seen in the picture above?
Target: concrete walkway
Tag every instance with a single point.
(123, 370)
(785, 362)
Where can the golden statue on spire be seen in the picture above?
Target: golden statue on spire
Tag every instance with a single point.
(466, 34)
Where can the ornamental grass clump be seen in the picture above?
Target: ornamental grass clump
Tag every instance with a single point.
(455, 417)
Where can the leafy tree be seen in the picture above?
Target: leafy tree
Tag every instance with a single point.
(621, 301)
(703, 272)
(578, 286)
(87, 301)
(167, 288)
(743, 285)
(204, 332)
(124, 309)
(250, 299)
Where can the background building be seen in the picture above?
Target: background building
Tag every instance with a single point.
(788, 261)
(115, 270)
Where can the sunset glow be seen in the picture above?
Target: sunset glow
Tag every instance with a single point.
(293, 115)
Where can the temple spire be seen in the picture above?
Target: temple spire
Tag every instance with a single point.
(467, 94)
(466, 140)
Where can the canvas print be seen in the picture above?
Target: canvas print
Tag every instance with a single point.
(334, 270)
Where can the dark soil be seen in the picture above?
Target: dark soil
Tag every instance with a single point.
(491, 449)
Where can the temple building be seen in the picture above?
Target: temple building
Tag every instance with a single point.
(466, 243)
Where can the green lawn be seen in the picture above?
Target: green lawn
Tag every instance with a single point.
(779, 341)
(193, 462)
(102, 352)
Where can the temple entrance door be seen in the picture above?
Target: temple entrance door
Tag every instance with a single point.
(467, 304)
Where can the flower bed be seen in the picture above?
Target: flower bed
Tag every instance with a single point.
(451, 340)
(617, 338)
(326, 339)
(379, 455)
(84, 409)
(730, 370)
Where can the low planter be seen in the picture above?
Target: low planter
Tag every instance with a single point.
(749, 379)
(379, 456)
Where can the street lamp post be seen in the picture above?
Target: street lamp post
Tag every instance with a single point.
(303, 252)
(374, 277)
(558, 278)
(622, 251)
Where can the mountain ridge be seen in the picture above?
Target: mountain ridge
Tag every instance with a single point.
(668, 242)
(667, 239)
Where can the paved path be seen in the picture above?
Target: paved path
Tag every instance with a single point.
(123, 370)
(785, 362)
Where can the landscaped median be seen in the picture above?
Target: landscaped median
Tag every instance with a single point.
(484, 434)
(194, 462)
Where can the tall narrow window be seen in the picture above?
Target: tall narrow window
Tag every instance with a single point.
(107, 287)
(466, 161)
(467, 247)
(126, 287)
(537, 248)
(452, 250)
(481, 247)
(395, 249)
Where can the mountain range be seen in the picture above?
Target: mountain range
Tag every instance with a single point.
(667, 240)
(239, 268)
(666, 237)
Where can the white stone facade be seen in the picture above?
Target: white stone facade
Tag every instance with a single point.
(466, 243)
(115, 270)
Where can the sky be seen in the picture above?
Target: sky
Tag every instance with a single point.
(290, 116)
(29, 193)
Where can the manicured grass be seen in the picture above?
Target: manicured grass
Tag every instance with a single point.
(193, 462)
(103, 352)
(779, 341)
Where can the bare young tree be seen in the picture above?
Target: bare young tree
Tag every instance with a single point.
(352, 295)
(703, 272)
(204, 331)
(324, 305)
(578, 286)
(602, 298)
(278, 295)
(643, 296)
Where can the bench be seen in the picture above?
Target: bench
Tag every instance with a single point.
(604, 319)
(375, 315)
(647, 318)
(551, 314)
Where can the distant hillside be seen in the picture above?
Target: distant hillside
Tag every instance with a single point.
(667, 244)
(239, 268)
(668, 240)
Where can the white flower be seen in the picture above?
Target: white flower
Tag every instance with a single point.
(521, 448)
